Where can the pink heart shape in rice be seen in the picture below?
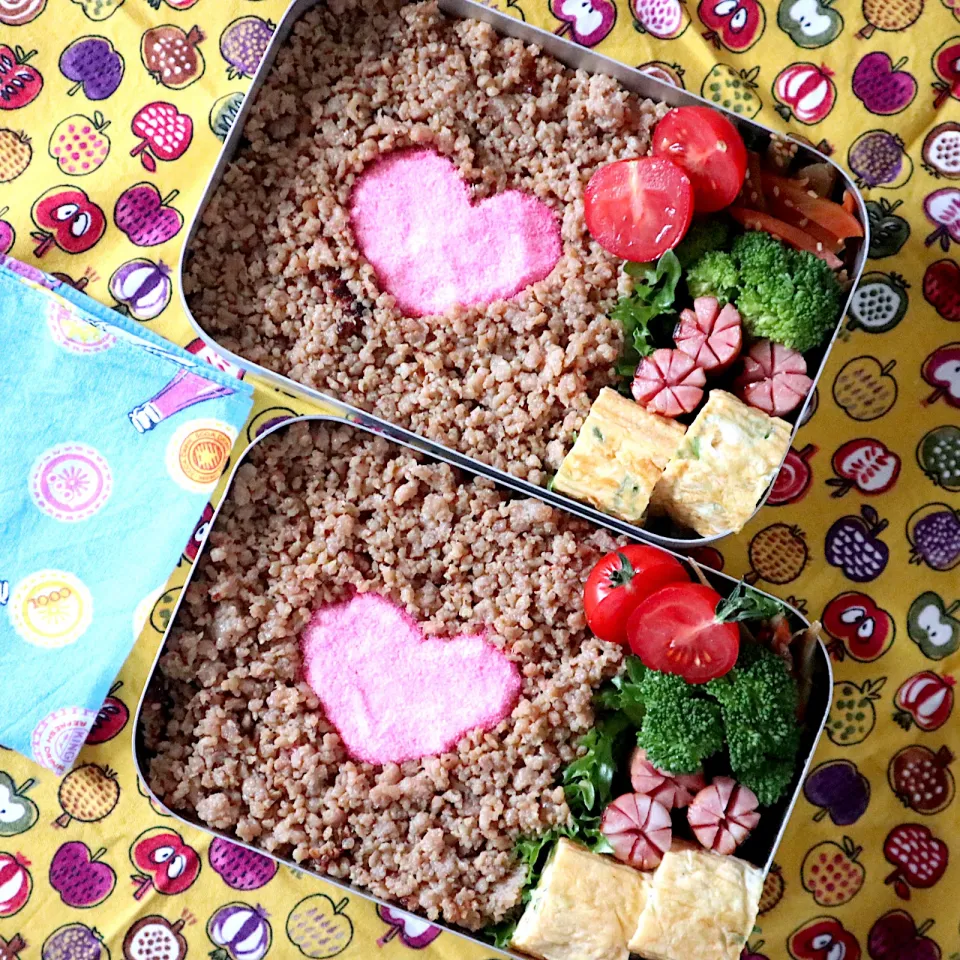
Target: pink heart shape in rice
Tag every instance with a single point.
(394, 694)
(432, 248)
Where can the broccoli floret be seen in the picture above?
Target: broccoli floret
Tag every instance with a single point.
(715, 274)
(768, 782)
(681, 728)
(760, 253)
(704, 236)
(758, 701)
(789, 296)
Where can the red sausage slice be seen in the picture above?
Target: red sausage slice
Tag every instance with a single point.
(723, 814)
(639, 830)
(668, 382)
(672, 790)
(774, 378)
(711, 336)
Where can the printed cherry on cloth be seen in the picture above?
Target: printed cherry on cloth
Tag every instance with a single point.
(113, 441)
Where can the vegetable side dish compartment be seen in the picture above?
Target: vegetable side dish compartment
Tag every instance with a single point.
(571, 55)
(759, 849)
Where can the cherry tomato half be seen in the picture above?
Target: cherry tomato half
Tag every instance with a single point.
(706, 145)
(621, 581)
(676, 631)
(638, 209)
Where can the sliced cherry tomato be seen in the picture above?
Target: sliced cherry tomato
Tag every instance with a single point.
(621, 581)
(709, 149)
(638, 209)
(676, 630)
(789, 234)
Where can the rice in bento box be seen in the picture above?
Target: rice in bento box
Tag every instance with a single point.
(296, 264)
(322, 520)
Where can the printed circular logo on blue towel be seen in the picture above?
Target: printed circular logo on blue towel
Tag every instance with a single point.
(51, 608)
(74, 333)
(70, 482)
(198, 452)
(58, 737)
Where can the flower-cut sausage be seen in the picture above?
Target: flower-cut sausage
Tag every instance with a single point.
(711, 336)
(639, 830)
(672, 790)
(723, 814)
(774, 378)
(668, 382)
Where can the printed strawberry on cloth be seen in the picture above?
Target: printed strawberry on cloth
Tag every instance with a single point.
(113, 440)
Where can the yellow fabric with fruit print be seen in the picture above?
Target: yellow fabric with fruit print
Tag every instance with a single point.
(111, 116)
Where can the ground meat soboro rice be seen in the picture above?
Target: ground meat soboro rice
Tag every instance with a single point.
(239, 739)
(276, 275)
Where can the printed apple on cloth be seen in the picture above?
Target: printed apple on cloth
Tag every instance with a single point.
(117, 437)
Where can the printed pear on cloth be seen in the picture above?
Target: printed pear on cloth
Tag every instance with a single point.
(111, 449)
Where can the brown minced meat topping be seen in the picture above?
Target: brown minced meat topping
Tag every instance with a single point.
(239, 740)
(276, 275)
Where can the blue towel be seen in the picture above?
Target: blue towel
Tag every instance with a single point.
(112, 441)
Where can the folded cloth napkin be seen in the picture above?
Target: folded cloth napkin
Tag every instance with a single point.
(112, 441)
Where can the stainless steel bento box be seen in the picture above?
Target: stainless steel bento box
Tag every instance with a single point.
(760, 847)
(576, 57)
